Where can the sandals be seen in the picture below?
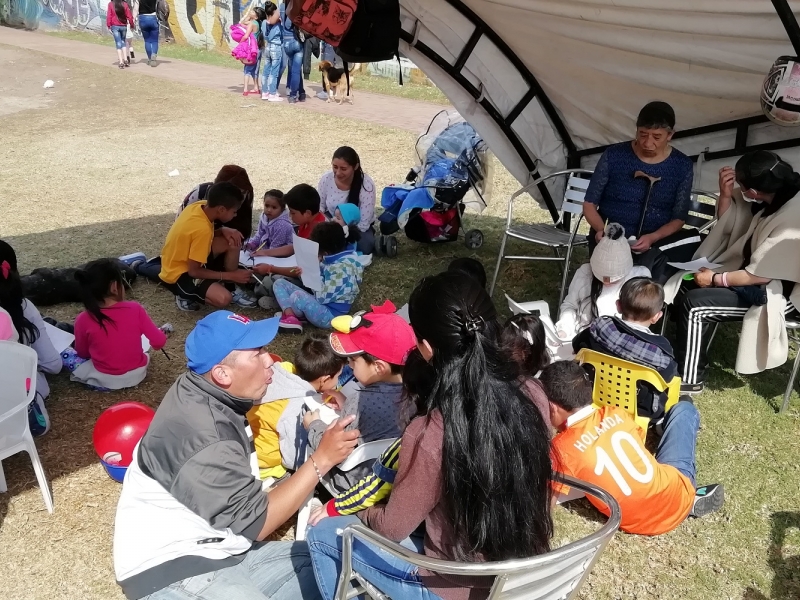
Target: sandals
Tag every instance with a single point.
(121, 66)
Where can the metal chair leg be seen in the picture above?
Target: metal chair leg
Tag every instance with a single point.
(790, 384)
(664, 318)
(499, 260)
(564, 276)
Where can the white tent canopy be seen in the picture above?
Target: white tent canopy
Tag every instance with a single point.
(549, 83)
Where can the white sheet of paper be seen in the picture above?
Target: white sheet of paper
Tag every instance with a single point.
(526, 308)
(60, 339)
(145, 343)
(307, 254)
(326, 414)
(695, 265)
(403, 313)
(245, 260)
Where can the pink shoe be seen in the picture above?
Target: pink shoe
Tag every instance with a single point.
(290, 324)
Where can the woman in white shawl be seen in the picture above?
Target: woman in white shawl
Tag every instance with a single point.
(757, 242)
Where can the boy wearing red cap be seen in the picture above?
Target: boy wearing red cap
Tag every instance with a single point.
(377, 344)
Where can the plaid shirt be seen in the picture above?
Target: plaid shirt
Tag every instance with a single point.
(625, 345)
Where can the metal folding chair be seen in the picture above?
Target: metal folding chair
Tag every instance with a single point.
(557, 575)
(792, 328)
(552, 235)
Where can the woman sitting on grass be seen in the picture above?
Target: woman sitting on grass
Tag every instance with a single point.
(474, 463)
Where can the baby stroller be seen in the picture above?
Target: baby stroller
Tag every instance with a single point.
(453, 174)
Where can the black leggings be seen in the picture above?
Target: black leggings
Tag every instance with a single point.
(699, 311)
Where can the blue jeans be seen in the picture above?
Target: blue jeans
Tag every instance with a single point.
(271, 60)
(302, 303)
(276, 570)
(293, 57)
(677, 445)
(149, 26)
(394, 577)
(119, 32)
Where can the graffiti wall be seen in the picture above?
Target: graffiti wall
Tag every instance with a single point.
(199, 23)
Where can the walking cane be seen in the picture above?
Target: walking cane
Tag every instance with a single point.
(652, 180)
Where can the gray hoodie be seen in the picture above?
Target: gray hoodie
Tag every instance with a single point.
(292, 438)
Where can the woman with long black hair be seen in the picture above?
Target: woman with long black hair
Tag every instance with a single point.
(346, 182)
(474, 462)
(757, 242)
(30, 329)
(118, 18)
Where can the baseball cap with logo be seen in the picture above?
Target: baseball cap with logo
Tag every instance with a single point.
(222, 332)
(381, 333)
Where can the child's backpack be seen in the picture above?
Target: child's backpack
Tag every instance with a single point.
(327, 20)
(162, 11)
(374, 34)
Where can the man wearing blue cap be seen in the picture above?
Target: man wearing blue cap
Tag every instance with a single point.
(192, 515)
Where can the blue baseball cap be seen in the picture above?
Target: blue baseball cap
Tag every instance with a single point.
(222, 332)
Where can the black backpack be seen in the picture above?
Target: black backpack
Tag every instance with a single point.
(374, 34)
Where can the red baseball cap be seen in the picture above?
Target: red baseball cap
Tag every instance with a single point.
(381, 333)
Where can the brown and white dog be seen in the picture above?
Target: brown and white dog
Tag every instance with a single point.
(334, 82)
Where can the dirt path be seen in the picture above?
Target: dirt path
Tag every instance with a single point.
(390, 111)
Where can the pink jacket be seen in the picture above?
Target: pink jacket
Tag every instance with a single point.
(112, 19)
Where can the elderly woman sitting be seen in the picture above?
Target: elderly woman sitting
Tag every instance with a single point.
(757, 242)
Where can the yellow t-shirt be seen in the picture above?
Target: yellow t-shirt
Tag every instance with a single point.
(189, 238)
(263, 419)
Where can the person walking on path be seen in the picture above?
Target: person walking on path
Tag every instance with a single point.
(148, 24)
(118, 17)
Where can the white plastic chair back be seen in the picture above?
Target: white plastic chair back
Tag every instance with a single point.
(362, 453)
(574, 195)
(17, 389)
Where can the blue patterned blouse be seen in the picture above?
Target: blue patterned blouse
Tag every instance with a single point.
(620, 198)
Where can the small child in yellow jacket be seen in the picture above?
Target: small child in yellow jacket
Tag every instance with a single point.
(278, 433)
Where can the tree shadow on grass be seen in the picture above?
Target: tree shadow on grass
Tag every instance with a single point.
(786, 569)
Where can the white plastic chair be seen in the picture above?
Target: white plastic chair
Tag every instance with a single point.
(551, 235)
(361, 454)
(17, 390)
(557, 575)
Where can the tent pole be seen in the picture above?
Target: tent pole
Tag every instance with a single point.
(789, 23)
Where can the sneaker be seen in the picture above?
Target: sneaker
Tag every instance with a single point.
(692, 388)
(38, 419)
(132, 54)
(301, 98)
(267, 303)
(291, 99)
(134, 260)
(273, 98)
(242, 298)
(708, 499)
(290, 324)
(153, 61)
(186, 305)
(264, 96)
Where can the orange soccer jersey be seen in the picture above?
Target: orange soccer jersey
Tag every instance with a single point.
(604, 446)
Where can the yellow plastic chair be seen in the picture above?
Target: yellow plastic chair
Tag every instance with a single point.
(615, 382)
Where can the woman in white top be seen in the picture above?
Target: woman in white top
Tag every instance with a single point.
(346, 182)
(594, 289)
(31, 331)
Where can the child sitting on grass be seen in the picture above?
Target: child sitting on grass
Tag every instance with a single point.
(303, 202)
(640, 303)
(377, 344)
(341, 278)
(348, 216)
(275, 230)
(278, 434)
(108, 351)
(604, 446)
(418, 379)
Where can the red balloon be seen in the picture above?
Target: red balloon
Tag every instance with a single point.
(118, 429)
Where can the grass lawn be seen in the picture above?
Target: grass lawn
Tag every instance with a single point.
(85, 175)
(366, 82)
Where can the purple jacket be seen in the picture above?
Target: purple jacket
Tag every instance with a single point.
(275, 233)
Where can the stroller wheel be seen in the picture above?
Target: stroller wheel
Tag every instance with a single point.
(391, 246)
(473, 239)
